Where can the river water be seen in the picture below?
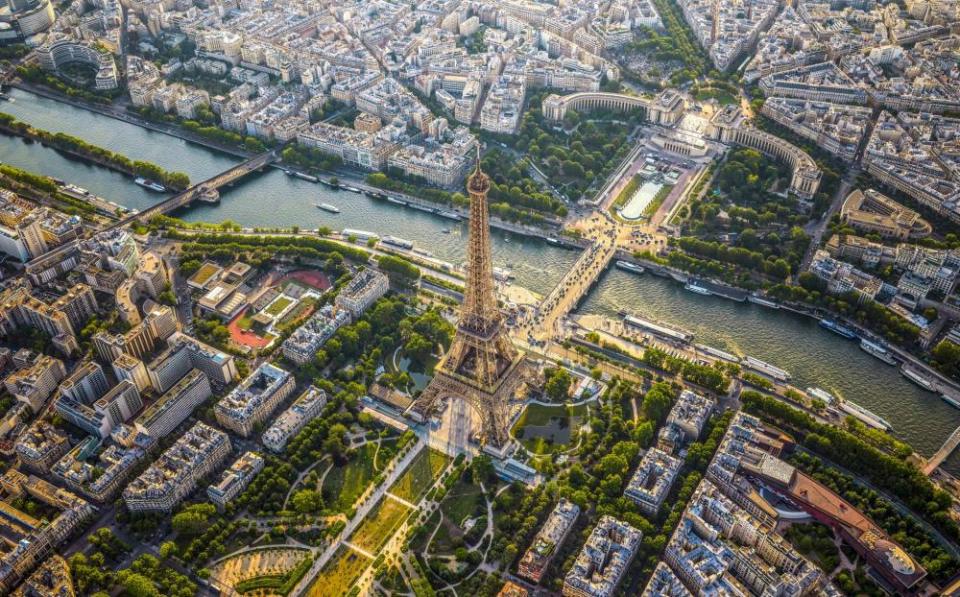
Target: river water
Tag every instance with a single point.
(814, 356)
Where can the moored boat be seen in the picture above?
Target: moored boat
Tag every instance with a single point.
(836, 328)
(150, 184)
(949, 400)
(877, 350)
(759, 300)
(450, 215)
(865, 416)
(821, 394)
(307, 177)
(695, 287)
(917, 378)
(401, 243)
(766, 368)
(362, 235)
(630, 267)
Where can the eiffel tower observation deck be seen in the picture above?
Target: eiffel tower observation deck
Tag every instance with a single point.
(482, 366)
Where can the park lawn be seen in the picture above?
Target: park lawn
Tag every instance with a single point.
(420, 475)
(546, 429)
(462, 501)
(344, 484)
(245, 322)
(379, 525)
(721, 95)
(539, 414)
(343, 569)
(658, 200)
(278, 305)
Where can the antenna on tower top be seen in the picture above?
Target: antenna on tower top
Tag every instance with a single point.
(478, 158)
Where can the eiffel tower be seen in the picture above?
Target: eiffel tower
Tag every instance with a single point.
(482, 365)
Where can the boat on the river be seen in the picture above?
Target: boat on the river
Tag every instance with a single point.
(821, 394)
(361, 235)
(307, 177)
(766, 368)
(450, 215)
(630, 267)
(328, 207)
(351, 189)
(396, 200)
(836, 328)
(759, 300)
(717, 353)
(150, 184)
(75, 191)
(394, 241)
(917, 378)
(865, 416)
(877, 350)
(695, 287)
(658, 330)
(951, 401)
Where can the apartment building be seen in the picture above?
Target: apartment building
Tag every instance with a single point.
(86, 384)
(100, 417)
(175, 405)
(305, 408)
(362, 291)
(174, 475)
(604, 559)
(34, 384)
(41, 445)
(302, 345)
(255, 399)
(548, 540)
(235, 479)
(98, 474)
(651, 482)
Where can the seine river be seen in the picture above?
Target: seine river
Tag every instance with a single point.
(813, 355)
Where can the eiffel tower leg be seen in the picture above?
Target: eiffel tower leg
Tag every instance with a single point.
(496, 421)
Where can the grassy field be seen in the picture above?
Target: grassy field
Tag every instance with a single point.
(421, 474)
(277, 306)
(336, 578)
(654, 205)
(343, 484)
(379, 525)
(463, 501)
(545, 429)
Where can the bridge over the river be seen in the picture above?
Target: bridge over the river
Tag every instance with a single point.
(208, 186)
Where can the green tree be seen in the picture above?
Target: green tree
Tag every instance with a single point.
(307, 501)
(558, 385)
(137, 585)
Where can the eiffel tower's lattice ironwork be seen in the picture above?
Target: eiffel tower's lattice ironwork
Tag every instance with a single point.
(482, 365)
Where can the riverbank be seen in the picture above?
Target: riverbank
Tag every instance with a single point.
(124, 116)
(80, 149)
(815, 312)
